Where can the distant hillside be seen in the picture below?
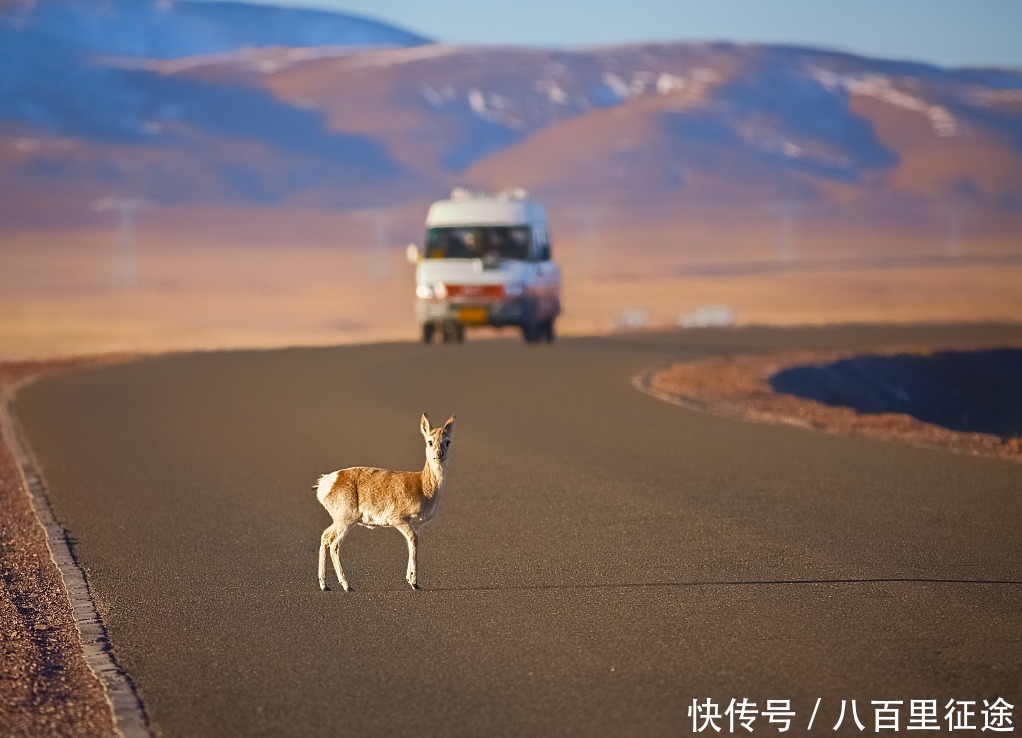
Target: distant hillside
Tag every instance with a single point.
(171, 30)
(226, 102)
(81, 114)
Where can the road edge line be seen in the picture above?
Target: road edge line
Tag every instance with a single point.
(643, 382)
(130, 718)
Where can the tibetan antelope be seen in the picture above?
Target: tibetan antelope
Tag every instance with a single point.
(374, 498)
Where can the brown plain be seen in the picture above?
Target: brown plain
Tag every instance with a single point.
(238, 277)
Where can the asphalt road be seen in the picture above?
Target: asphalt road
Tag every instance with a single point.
(600, 559)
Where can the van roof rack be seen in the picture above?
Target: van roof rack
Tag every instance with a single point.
(512, 193)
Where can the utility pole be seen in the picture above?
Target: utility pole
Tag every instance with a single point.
(785, 212)
(589, 218)
(379, 266)
(953, 243)
(125, 264)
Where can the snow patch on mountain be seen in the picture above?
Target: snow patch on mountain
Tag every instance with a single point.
(617, 86)
(668, 83)
(777, 143)
(495, 108)
(880, 87)
(437, 97)
(644, 82)
(552, 90)
(477, 101)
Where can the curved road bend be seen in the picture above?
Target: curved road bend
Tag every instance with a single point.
(601, 558)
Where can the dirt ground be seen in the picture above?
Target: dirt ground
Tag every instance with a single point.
(739, 386)
(46, 686)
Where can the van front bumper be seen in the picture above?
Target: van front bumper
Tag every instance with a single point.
(515, 311)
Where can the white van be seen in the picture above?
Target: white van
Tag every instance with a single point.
(486, 261)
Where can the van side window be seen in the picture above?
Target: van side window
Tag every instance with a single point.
(542, 243)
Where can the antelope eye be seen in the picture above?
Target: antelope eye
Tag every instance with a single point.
(429, 443)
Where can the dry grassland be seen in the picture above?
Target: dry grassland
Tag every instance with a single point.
(203, 279)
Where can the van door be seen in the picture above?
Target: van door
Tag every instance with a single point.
(548, 274)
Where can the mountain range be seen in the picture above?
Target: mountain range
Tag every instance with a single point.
(240, 103)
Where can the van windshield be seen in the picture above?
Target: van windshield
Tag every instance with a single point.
(478, 242)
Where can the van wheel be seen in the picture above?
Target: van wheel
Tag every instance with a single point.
(547, 329)
(428, 329)
(453, 332)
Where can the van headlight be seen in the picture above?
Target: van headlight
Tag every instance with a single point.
(434, 291)
(515, 289)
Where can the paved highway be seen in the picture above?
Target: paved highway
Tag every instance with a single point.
(600, 559)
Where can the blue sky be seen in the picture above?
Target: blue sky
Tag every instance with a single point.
(947, 32)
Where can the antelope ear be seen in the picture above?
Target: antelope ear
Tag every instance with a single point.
(424, 425)
(449, 426)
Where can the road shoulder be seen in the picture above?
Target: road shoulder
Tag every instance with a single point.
(739, 386)
(47, 686)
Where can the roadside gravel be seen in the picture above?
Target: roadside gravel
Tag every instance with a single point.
(739, 386)
(46, 686)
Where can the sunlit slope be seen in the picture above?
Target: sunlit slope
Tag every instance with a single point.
(715, 126)
(789, 125)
